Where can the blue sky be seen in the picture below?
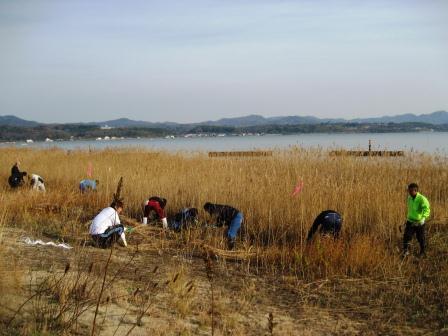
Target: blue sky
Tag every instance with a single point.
(185, 61)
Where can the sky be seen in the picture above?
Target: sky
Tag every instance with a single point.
(190, 61)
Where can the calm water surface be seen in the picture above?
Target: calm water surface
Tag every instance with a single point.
(431, 142)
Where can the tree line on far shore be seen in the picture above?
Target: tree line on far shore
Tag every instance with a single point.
(78, 131)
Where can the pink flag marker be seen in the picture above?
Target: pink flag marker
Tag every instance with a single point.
(90, 170)
(297, 189)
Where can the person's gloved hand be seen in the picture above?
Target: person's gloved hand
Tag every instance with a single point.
(422, 221)
(164, 223)
(123, 239)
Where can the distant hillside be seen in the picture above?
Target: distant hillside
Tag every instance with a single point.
(10, 120)
(126, 122)
(435, 118)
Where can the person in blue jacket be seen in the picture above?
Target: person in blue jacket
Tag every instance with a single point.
(88, 185)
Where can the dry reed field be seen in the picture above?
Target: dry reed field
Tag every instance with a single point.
(360, 277)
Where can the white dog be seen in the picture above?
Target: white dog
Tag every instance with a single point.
(37, 183)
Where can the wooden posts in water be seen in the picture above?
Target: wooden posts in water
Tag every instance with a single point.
(366, 153)
(370, 152)
(240, 154)
(342, 152)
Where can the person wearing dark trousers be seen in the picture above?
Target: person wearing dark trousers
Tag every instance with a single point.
(418, 211)
(16, 178)
(329, 222)
(154, 209)
(184, 218)
(106, 228)
(229, 216)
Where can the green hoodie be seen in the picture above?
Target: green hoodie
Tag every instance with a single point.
(418, 208)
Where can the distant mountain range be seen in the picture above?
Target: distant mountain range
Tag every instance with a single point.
(435, 118)
(10, 120)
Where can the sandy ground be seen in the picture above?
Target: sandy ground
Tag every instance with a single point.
(176, 297)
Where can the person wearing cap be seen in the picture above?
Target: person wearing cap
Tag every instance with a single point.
(88, 185)
(106, 228)
(328, 222)
(229, 216)
(16, 178)
(418, 211)
(154, 210)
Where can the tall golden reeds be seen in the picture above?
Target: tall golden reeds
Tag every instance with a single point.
(369, 192)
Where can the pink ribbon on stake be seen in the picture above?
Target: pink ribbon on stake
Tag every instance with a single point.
(297, 189)
(90, 170)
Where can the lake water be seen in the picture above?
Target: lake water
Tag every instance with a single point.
(431, 142)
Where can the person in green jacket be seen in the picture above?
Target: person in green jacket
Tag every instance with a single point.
(418, 212)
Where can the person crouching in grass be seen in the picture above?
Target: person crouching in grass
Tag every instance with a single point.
(229, 216)
(37, 183)
(154, 210)
(88, 185)
(16, 178)
(184, 219)
(418, 212)
(106, 228)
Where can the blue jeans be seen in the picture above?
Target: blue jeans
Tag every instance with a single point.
(110, 236)
(235, 226)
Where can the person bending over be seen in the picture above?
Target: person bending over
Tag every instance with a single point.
(418, 211)
(16, 178)
(229, 216)
(184, 218)
(88, 185)
(37, 183)
(154, 209)
(106, 228)
(328, 222)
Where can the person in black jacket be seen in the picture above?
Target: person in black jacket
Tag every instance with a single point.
(16, 178)
(330, 223)
(184, 218)
(229, 216)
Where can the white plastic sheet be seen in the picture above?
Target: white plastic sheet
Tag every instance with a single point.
(29, 241)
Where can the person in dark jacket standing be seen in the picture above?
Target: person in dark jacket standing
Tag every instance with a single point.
(229, 216)
(154, 209)
(330, 223)
(16, 178)
(418, 211)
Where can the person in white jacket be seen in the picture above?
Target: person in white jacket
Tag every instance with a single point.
(37, 182)
(106, 228)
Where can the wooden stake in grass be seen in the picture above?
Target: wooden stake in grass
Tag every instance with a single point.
(271, 323)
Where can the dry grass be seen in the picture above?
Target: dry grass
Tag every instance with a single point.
(369, 192)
